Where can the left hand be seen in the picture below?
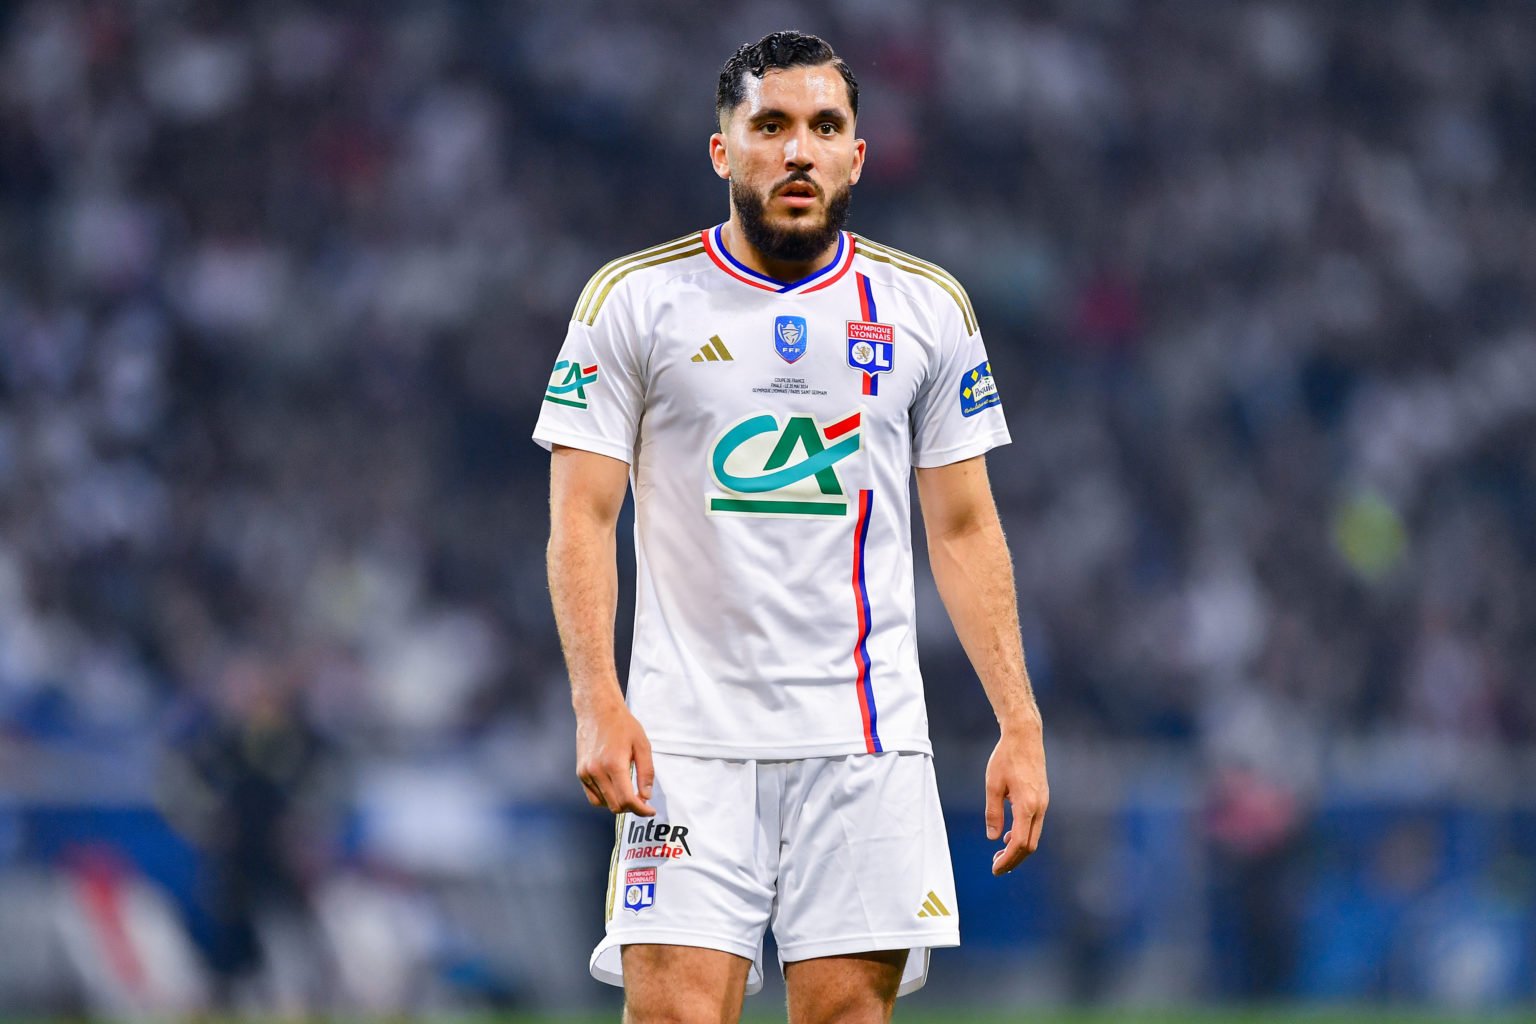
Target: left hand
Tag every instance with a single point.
(1016, 777)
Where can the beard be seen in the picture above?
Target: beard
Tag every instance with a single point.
(791, 243)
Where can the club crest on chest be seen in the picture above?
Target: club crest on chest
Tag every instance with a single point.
(789, 337)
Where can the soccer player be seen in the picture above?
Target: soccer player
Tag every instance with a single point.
(767, 387)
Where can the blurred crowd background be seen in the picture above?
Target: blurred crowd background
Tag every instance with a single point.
(283, 720)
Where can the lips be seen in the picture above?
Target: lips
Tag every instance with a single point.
(802, 189)
(799, 194)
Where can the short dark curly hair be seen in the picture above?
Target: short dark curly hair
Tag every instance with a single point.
(787, 49)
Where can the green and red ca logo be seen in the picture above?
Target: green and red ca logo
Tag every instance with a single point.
(568, 383)
(786, 470)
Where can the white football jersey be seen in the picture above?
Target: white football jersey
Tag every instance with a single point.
(771, 428)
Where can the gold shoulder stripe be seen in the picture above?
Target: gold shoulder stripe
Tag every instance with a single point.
(906, 261)
(922, 268)
(599, 297)
(901, 254)
(955, 291)
(594, 283)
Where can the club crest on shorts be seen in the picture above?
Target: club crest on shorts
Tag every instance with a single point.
(639, 889)
(789, 337)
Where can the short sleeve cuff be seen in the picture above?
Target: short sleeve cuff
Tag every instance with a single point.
(547, 438)
(935, 457)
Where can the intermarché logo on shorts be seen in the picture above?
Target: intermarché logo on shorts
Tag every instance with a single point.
(652, 840)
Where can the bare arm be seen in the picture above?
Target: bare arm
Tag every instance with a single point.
(974, 574)
(586, 491)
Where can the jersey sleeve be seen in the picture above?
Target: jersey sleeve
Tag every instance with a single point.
(595, 393)
(958, 413)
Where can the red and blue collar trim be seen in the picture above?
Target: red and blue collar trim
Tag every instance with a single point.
(714, 246)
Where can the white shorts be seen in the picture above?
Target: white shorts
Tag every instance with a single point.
(839, 854)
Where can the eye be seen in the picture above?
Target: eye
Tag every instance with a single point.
(769, 128)
(827, 128)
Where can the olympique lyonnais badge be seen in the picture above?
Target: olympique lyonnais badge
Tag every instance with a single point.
(639, 889)
(871, 349)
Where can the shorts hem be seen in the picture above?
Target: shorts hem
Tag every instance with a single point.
(868, 944)
(670, 937)
(919, 944)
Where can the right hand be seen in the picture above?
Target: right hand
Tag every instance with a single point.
(607, 744)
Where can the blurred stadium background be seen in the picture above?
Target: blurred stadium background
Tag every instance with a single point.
(283, 723)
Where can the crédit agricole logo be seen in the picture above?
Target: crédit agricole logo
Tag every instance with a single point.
(786, 470)
(568, 383)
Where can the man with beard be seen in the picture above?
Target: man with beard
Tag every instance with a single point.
(768, 386)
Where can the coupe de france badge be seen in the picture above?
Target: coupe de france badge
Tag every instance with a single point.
(789, 337)
(978, 390)
(639, 889)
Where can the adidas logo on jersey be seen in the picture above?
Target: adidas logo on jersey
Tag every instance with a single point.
(933, 906)
(713, 351)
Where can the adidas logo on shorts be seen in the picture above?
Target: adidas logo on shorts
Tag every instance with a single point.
(933, 906)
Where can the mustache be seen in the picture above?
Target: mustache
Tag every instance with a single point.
(798, 178)
(790, 242)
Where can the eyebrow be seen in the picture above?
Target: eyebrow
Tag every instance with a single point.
(832, 114)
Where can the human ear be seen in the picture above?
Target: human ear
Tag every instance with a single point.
(858, 162)
(718, 156)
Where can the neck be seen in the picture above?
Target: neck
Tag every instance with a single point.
(780, 270)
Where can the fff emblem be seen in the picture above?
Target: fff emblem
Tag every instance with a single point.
(789, 337)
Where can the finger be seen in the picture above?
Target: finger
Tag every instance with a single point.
(594, 792)
(615, 789)
(602, 783)
(622, 796)
(1036, 828)
(645, 768)
(994, 813)
(1022, 840)
(1011, 855)
(1029, 815)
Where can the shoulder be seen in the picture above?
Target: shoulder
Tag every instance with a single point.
(636, 268)
(902, 267)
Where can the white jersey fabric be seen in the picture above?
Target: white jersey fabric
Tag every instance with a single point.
(771, 428)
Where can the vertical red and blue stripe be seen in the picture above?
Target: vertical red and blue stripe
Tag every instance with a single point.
(869, 314)
(867, 712)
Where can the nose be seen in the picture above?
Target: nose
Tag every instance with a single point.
(797, 152)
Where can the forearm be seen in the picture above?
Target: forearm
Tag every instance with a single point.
(584, 590)
(974, 575)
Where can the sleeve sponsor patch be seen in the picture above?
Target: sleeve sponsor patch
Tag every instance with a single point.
(568, 383)
(978, 390)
